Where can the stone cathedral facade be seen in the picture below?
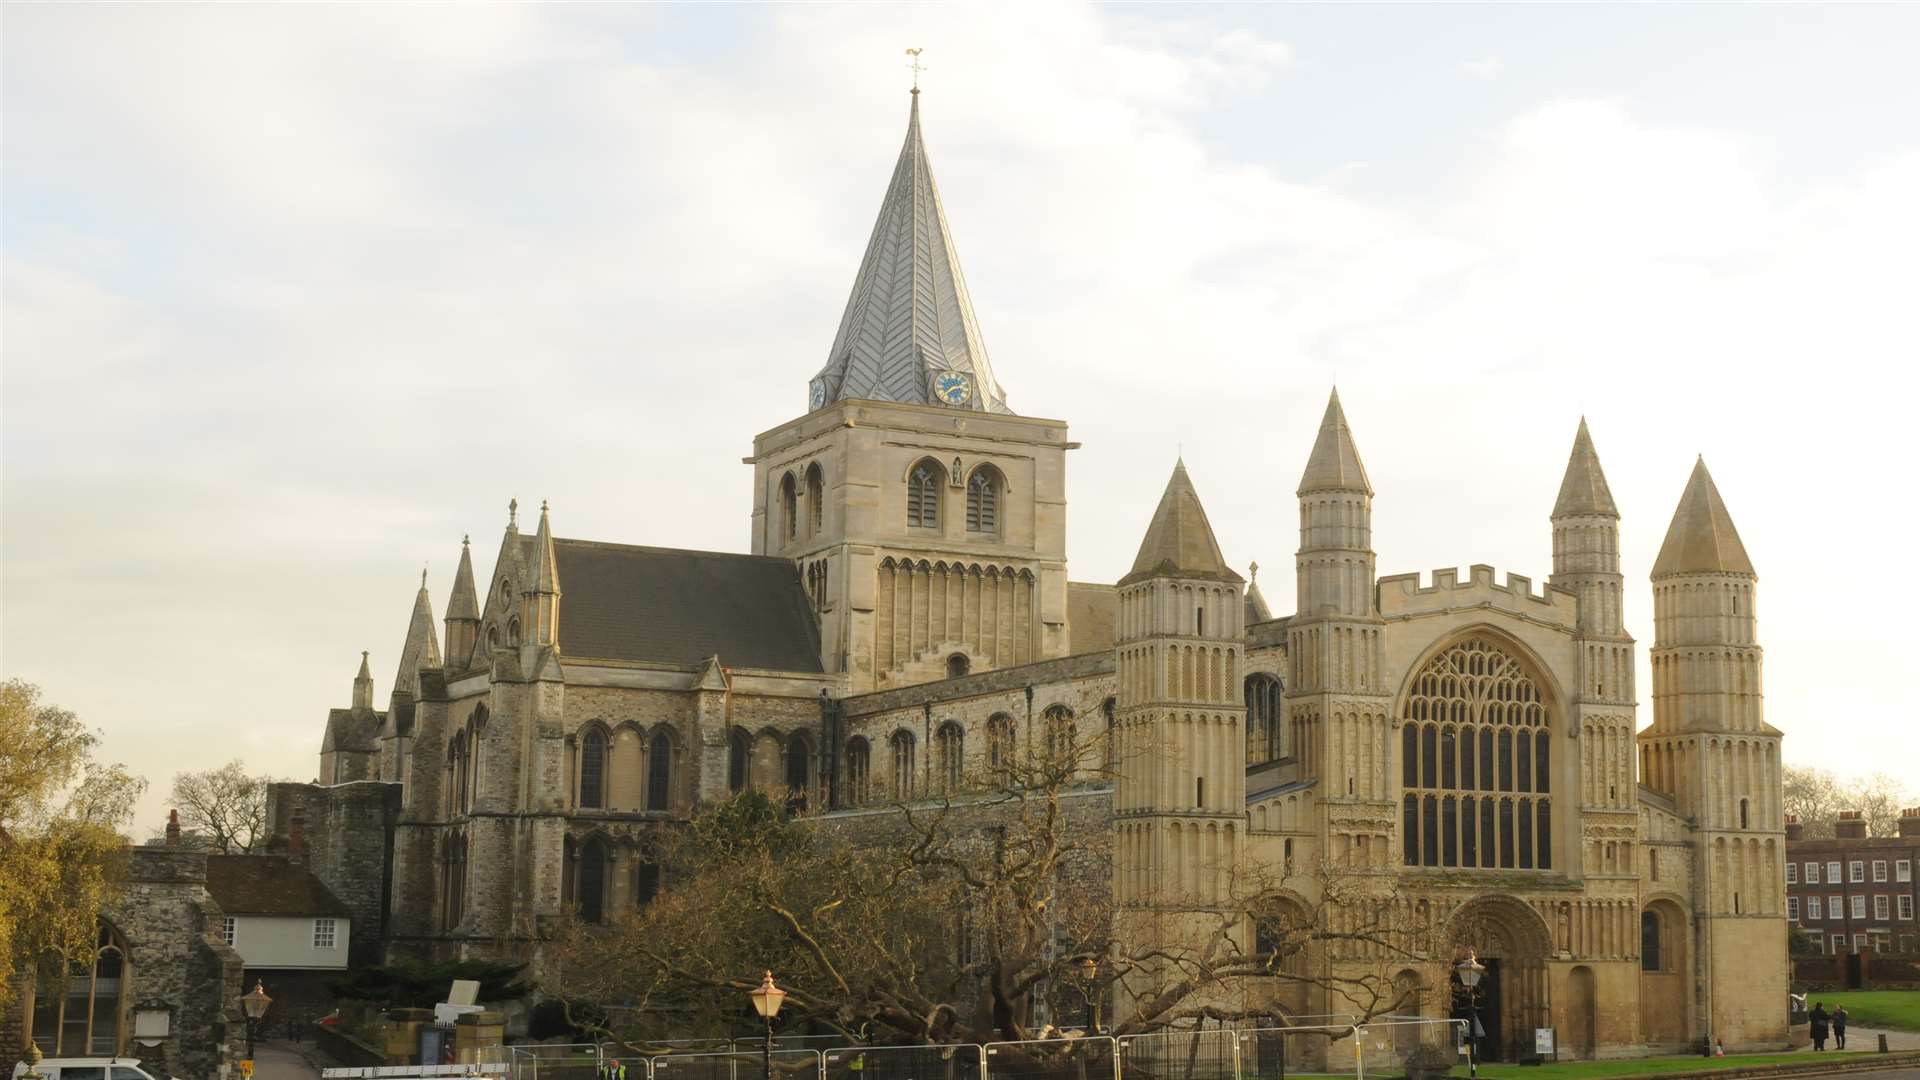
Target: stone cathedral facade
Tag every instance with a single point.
(1469, 746)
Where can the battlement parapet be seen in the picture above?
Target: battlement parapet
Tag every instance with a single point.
(1402, 595)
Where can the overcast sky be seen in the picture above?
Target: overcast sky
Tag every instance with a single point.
(295, 296)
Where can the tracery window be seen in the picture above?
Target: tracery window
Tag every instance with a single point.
(593, 769)
(859, 759)
(1060, 731)
(799, 771)
(1263, 719)
(739, 755)
(923, 495)
(983, 500)
(951, 743)
(453, 881)
(999, 741)
(902, 745)
(78, 1008)
(1475, 763)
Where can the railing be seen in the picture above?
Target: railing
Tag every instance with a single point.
(1328, 1047)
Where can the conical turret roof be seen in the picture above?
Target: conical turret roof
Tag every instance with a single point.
(465, 601)
(546, 570)
(422, 648)
(909, 317)
(1584, 491)
(1702, 539)
(1179, 541)
(1334, 464)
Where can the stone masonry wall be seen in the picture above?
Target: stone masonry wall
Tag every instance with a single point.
(347, 843)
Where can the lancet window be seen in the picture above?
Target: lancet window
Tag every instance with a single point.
(902, 746)
(983, 500)
(859, 762)
(923, 495)
(1264, 741)
(1475, 760)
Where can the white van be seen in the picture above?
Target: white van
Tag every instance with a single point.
(89, 1068)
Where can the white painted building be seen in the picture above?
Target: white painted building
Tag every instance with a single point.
(279, 916)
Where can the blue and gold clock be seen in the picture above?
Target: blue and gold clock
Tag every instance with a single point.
(817, 394)
(952, 387)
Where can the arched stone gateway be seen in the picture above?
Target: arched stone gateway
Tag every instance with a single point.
(1509, 938)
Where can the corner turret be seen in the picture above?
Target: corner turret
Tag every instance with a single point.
(363, 687)
(542, 615)
(463, 613)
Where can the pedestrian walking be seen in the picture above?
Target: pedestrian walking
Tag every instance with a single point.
(1839, 1026)
(1817, 1025)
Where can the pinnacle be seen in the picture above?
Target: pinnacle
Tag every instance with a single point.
(1179, 541)
(1334, 464)
(1584, 491)
(464, 602)
(1701, 539)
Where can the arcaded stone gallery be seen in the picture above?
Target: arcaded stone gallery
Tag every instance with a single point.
(1467, 742)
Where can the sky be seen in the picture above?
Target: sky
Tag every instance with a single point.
(296, 296)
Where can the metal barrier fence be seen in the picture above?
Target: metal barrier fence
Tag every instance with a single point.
(953, 1061)
(1383, 1047)
(1093, 1057)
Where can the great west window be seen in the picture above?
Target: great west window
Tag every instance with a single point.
(1475, 759)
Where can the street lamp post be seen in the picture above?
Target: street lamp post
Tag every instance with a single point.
(766, 1001)
(255, 1005)
(1470, 971)
(1089, 971)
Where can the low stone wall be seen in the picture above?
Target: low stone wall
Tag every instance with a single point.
(344, 1048)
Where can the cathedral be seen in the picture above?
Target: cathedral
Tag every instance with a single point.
(1470, 741)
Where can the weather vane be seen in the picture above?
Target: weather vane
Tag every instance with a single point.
(913, 65)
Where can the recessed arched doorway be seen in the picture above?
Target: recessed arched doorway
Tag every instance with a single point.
(1512, 942)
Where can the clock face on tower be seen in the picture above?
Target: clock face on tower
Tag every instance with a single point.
(817, 394)
(952, 387)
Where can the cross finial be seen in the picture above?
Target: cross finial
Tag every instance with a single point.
(513, 512)
(914, 65)
(1253, 568)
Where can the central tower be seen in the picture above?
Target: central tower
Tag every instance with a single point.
(928, 520)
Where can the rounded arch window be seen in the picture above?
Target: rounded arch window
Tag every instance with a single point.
(958, 665)
(1264, 724)
(923, 494)
(859, 761)
(513, 632)
(984, 489)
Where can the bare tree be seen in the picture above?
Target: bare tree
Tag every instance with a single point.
(968, 917)
(1812, 795)
(1879, 798)
(226, 806)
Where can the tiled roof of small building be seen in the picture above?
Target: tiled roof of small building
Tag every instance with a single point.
(270, 885)
(671, 605)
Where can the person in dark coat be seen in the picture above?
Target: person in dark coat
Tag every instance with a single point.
(1839, 1027)
(1817, 1026)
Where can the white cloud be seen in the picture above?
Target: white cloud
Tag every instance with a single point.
(1487, 67)
(404, 269)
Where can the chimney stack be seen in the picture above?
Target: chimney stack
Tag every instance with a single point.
(173, 828)
(297, 836)
(1850, 826)
(1910, 821)
(1794, 828)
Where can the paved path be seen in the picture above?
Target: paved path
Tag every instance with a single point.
(278, 1059)
(1859, 1038)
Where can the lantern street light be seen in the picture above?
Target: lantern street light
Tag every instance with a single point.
(255, 1005)
(1089, 971)
(766, 1001)
(1471, 971)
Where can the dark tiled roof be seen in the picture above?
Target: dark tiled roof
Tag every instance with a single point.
(269, 885)
(674, 606)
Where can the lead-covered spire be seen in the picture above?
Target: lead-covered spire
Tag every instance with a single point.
(908, 333)
(1334, 464)
(1702, 539)
(1584, 491)
(1179, 541)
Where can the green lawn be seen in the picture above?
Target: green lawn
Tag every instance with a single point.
(1893, 1009)
(1570, 1070)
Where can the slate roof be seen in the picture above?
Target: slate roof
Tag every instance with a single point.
(1702, 538)
(909, 314)
(270, 885)
(671, 605)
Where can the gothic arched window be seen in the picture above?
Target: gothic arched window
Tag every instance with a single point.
(799, 770)
(79, 1009)
(1000, 743)
(816, 498)
(789, 509)
(1263, 719)
(739, 760)
(591, 891)
(923, 494)
(983, 500)
(1475, 721)
(646, 882)
(951, 762)
(859, 758)
(593, 769)
(660, 772)
(1060, 732)
(902, 746)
